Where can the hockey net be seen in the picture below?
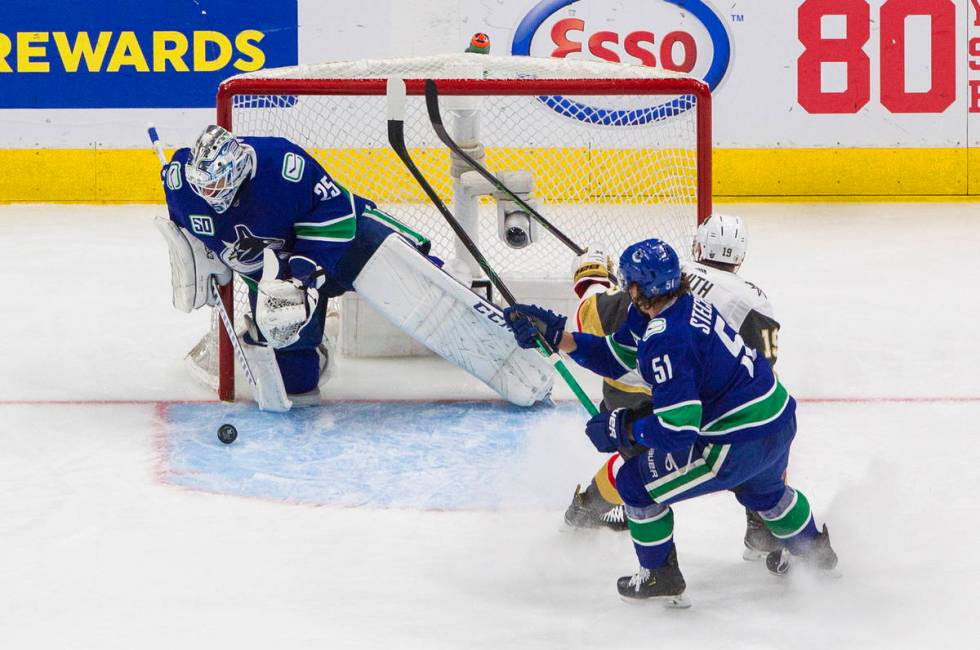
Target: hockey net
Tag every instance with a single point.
(616, 153)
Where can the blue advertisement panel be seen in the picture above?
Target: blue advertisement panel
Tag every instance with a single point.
(137, 53)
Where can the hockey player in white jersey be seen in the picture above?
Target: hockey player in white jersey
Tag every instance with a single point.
(718, 250)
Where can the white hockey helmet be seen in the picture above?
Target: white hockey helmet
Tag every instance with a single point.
(218, 166)
(721, 238)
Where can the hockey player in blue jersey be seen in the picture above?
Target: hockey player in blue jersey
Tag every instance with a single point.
(263, 208)
(721, 420)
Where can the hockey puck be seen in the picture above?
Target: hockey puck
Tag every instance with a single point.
(227, 433)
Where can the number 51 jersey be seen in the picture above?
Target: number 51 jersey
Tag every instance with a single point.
(707, 384)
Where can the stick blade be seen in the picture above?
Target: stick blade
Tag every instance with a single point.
(396, 95)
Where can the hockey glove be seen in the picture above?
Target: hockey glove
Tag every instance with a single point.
(592, 267)
(527, 322)
(608, 430)
(283, 307)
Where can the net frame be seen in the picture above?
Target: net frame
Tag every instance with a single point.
(669, 86)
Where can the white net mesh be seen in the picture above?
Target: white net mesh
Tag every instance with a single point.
(607, 169)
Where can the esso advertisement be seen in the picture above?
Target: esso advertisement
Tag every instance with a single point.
(686, 36)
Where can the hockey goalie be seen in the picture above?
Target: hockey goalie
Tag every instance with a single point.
(263, 208)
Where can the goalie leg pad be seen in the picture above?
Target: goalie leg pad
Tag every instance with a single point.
(270, 392)
(191, 266)
(429, 305)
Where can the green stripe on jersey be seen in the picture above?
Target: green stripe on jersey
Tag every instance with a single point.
(624, 354)
(395, 224)
(751, 414)
(250, 283)
(340, 230)
(686, 415)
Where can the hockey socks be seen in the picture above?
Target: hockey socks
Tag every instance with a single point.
(605, 480)
(791, 521)
(652, 530)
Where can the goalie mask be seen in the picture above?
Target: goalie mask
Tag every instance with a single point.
(218, 166)
(721, 238)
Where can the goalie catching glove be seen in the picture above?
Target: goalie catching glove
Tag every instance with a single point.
(191, 266)
(283, 307)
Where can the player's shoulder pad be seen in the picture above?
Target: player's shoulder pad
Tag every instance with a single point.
(182, 155)
(172, 174)
(279, 157)
(761, 304)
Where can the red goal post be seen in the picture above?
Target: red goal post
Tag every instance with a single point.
(250, 86)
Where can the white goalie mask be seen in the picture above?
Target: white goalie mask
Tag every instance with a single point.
(218, 166)
(721, 238)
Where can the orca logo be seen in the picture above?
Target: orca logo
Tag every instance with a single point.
(685, 36)
(245, 253)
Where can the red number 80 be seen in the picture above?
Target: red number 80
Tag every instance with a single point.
(850, 51)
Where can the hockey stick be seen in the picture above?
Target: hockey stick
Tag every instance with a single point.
(396, 138)
(215, 290)
(432, 104)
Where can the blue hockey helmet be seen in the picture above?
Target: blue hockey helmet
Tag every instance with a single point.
(652, 265)
(218, 166)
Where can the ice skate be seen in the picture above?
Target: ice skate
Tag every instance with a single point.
(759, 540)
(665, 584)
(589, 510)
(818, 557)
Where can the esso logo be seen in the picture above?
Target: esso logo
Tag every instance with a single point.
(685, 36)
(640, 46)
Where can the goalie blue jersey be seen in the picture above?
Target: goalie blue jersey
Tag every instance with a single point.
(707, 384)
(291, 205)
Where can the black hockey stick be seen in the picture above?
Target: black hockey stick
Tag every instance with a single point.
(432, 104)
(396, 138)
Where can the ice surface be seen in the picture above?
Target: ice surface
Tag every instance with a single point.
(124, 523)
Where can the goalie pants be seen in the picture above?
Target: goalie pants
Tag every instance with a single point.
(299, 362)
(754, 470)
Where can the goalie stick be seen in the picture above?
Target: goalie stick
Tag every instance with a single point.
(396, 138)
(219, 304)
(432, 105)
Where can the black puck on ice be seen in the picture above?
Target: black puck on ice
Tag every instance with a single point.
(227, 433)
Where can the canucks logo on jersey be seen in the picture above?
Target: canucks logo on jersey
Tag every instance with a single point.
(245, 253)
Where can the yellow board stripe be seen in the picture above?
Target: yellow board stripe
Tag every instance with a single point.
(783, 175)
(841, 172)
